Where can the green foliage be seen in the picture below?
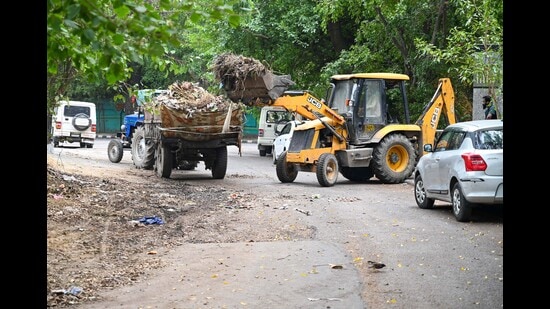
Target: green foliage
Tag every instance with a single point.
(473, 48)
(98, 40)
(117, 46)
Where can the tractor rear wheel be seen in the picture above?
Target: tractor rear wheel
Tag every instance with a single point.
(143, 150)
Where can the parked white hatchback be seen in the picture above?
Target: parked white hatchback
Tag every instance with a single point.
(465, 168)
(282, 139)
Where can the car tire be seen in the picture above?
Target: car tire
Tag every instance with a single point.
(263, 152)
(115, 150)
(420, 197)
(462, 209)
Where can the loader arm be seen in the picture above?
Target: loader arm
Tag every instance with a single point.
(308, 106)
(443, 102)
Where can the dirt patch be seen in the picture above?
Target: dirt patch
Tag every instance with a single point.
(107, 231)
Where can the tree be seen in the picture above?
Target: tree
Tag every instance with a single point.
(98, 40)
(473, 49)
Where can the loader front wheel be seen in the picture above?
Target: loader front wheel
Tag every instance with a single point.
(327, 170)
(394, 159)
(286, 172)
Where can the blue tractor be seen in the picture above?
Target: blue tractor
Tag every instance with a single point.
(132, 134)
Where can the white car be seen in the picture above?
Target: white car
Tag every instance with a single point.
(282, 139)
(464, 168)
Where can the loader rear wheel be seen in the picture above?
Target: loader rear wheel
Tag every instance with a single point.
(327, 170)
(220, 164)
(393, 160)
(143, 150)
(357, 174)
(163, 164)
(286, 172)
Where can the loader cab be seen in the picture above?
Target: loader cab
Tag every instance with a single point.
(369, 102)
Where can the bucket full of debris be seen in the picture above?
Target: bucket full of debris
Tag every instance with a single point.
(249, 81)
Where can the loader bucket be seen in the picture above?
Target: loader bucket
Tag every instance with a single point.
(253, 88)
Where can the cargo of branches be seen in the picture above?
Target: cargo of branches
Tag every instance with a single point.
(361, 129)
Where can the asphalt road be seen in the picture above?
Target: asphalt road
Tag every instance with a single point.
(432, 261)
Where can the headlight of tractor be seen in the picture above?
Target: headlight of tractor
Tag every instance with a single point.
(123, 128)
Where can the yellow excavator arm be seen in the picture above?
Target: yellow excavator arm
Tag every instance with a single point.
(305, 104)
(443, 102)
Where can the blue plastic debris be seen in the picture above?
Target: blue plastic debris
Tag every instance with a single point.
(75, 290)
(151, 220)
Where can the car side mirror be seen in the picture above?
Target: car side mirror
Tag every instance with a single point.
(428, 148)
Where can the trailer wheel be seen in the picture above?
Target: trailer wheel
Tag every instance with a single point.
(220, 163)
(286, 172)
(114, 150)
(163, 164)
(327, 170)
(143, 150)
(393, 160)
(357, 174)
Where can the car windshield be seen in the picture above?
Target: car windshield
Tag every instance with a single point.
(286, 128)
(489, 139)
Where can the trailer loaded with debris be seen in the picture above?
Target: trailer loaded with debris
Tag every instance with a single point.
(188, 125)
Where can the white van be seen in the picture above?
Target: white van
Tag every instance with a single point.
(74, 122)
(271, 118)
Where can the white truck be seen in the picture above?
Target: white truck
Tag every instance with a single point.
(272, 119)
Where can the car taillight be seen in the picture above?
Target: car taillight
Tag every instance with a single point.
(473, 162)
(93, 127)
(260, 132)
(58, 125)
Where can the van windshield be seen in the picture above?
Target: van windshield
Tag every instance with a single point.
(72, 110)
